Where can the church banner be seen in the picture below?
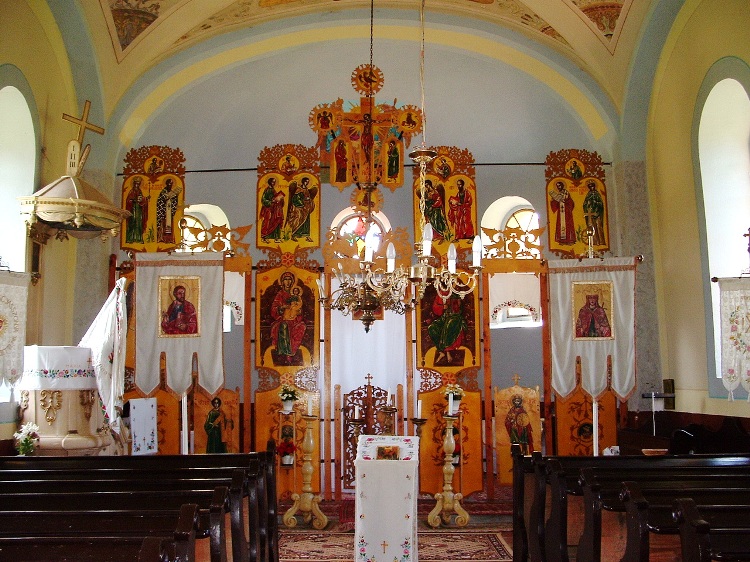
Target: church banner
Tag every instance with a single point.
(735, 334)
(592, 316)
(179, 311)
(14, 290)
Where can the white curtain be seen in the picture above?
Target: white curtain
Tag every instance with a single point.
(14, 290)
(519, 290)
(380, 353)
(106, 339)
(593, 351)
(234, 295)
(207, 343)
(143, 429)
(735, 334)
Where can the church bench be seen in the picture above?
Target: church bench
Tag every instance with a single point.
(647, 507)
(213, 506)
(522, 469)
(712, 532)
(96, 536)
(260, 489)
(175, 481)
(155, 549)
(651, 509)
(548, 539)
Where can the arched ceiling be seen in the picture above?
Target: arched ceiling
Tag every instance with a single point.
(133, 36)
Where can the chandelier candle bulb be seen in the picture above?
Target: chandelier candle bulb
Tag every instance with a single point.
(427, 240)
(476, 251)
(452, 258)
(321, 287)
(371, 244)
(390, 254)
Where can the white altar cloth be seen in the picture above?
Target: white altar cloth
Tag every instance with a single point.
(386, 500)
(57, 368)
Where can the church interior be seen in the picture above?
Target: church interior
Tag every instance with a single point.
(478, 222)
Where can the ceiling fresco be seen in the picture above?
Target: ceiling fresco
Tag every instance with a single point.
(130, 19)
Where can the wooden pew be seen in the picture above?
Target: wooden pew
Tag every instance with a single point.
(547, 537)
(522, 473)
(259, 487)
(212, 505)
(155, 549)
(609, 493)
(712, 532)
(99, 535)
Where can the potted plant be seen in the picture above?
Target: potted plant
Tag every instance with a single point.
(288, 395)
(286, 452)
(26, 437)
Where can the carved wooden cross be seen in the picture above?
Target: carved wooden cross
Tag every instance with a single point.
(369, 379)
(83, 123)
(384, 545)
(372, 126)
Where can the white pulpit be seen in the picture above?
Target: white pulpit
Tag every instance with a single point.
(59, 394)
(387, 470)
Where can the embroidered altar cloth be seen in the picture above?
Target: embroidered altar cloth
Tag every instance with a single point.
(386, 499)
(61, 367)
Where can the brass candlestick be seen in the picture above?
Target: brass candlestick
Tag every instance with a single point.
(447, 501)
(306, 502)
(419, 422)
(389, 422)
(357, 423)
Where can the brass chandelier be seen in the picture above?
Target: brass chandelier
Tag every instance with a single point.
(399, 289)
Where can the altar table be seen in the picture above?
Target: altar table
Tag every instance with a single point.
(386, 499)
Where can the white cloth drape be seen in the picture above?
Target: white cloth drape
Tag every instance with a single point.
(106, 339)
(14, 291)
(519, 290)
(593, 352)
(386, 500)
(58, 367)
(234, 295)
(735, 334)
(380, 353)
(207, 344)
(143, 426)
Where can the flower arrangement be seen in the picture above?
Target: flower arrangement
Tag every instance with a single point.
(288, 392)
(286, 448)
(26, 438)
(455, 390)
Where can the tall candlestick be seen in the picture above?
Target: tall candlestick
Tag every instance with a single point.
(356, 412)
(450, 404)
(388, 397)
(419, 408)
(309, 406)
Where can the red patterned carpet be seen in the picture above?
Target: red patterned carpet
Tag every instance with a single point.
(487, 537)
(434, 546)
